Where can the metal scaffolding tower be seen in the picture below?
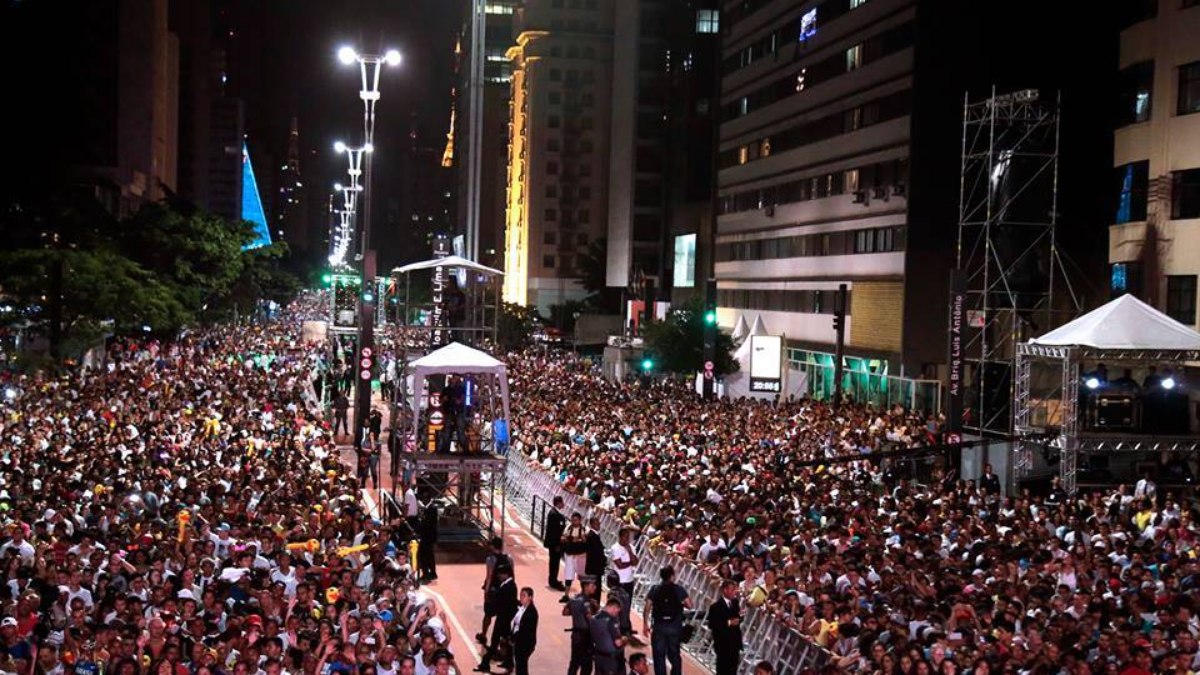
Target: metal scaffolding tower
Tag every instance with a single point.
(1007, 256)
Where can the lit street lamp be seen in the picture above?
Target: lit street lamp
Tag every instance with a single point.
(370, 66)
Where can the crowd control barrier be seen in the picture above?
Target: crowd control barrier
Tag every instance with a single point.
(531, 490)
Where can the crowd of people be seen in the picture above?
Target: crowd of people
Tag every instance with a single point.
(888, 575)
(183, 510)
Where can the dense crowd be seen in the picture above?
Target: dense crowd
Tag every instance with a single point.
(183, 510)
(890, 576)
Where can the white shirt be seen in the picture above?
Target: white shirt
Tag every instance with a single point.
(516, 622)
(619, 554)
(410, 503)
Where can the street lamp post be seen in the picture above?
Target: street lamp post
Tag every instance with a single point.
(370, 66)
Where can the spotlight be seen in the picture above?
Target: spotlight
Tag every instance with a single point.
(347, 55)
(392, 58)
(1168, 383)
(1092, 383)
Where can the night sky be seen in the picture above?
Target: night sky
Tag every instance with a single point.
(283, 62)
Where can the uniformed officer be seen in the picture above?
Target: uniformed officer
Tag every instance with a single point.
(608, 646)
(580, 608)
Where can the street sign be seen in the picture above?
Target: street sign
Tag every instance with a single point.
(435, 400)
(436, 418)
(708, 365)
(366, 352)
(365, 363)
(366, 374)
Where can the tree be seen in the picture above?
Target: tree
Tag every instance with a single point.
(197, 254)
(676, 344)
(593, 271)
(515, 326)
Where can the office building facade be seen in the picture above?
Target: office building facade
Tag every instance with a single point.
(1156, 184)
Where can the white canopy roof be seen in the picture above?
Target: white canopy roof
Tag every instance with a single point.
(457, 358)
(740, 329)
(1124, 323)
(448, 261)
(758, 328)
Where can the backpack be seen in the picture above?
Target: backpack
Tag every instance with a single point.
(667, 605)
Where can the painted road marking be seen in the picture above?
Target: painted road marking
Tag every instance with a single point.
(466, 637)
(372, 507)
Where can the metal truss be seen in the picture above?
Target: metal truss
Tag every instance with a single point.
(1066, 434)
(1007, 252)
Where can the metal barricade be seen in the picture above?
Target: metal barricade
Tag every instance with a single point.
(766, 638)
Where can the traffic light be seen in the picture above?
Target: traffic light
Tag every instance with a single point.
(326, 279)
(647, 364)
(710, 317)
(368, 297)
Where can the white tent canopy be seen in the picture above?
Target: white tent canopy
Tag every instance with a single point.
(758, 327)
(449, 261)
(1124, 323)
(740, 329)
(458, 359)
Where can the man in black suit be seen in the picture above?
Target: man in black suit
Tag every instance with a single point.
(597, 556)
(556, 524)
(989, 481)
(725, 624)
(506, 606)
(524, 632)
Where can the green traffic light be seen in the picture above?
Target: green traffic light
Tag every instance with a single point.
(326, 279)
(710, 317)
(647, 364)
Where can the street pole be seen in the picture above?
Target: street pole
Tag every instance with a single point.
(839, 326)
(370, 67)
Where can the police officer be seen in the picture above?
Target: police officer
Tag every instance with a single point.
(580, 608)
(608, 646)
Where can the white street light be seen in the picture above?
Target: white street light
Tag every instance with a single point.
(339, 147)
(392, 57)
(347, 55)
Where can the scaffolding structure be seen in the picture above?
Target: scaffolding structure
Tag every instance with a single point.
(1046, 407)
(469, 480)
(1007, 256)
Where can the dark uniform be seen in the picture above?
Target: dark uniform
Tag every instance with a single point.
(581, 635)
(607, 656)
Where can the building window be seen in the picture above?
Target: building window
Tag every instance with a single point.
(548, 261)
(1189, 88)
(552, 144)
(743, 154)
(1125, 278)
(1181, 299)
(552, 122)
(764, 147)
(552, 168)
(584, 216)
(708, 21)
(555, 74)
(1135, 93)
(1185, 194)
(555, 98)
(552, 191)
(549, 238)
(585, 192)
(1132, 183)
(852, 180)
(551, 214)
(854, 58)
(743, 106)
(582, 239)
